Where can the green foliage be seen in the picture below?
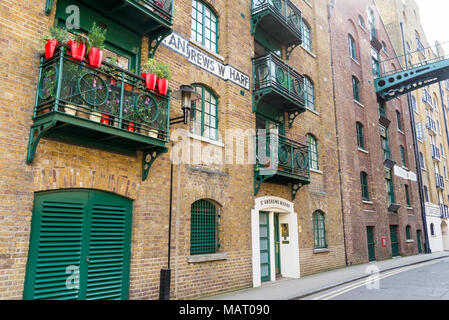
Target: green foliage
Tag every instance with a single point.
(81, 38)
(150, 66)
(96, 37)
(163, 71)
(57, 33)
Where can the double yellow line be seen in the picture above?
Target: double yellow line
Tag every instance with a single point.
(369, 280)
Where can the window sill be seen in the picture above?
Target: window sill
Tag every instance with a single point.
(367, 202)
(316, 171)
(400, 131)
(203, 139)
(200, 46)
(363, 150)
(323, 250)
(355, 61)
(310, 5)
(358, 103)
(310, 53)
(207, 257)
(313, 111)
(409, 208)
(409, 241)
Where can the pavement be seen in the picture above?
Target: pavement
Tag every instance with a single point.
(291, 289)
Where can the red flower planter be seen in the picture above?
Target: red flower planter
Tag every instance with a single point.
(150, 80)
(162, 86)
(131, 126)
(95, 57)
(105, 119)
(77, 50)
(50, 48)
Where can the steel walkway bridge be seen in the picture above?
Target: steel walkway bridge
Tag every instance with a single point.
(395, 82)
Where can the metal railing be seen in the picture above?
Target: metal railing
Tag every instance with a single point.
(435, 152)
(270, 71)
(431, 124)
(444, 211)
(108, 95)
(280, 154)
(439, 181)
(284, 10)
(163, 8)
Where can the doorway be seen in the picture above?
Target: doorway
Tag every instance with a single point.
(394, 241)
(371, 243)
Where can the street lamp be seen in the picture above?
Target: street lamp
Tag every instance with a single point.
(186, 94)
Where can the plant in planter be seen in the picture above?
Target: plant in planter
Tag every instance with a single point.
(149, 73)
(96, 38)
(56, 36)
(78, 46)
(163, 77)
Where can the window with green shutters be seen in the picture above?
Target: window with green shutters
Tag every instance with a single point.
(204, 228)
(312, 143)
(204, 26)
(309, 93)
(319, 230)
(365, 187)
(356, 89)
(360, 135)
(79, 247)
(205, 114)
(407, 195)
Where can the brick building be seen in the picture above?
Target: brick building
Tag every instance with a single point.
(85, 153)
(382, 213)
(429, 105)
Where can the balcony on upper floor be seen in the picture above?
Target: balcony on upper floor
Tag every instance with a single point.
(276, 84)
(281, 160)
(280, 20)
(444, 211)
(431, 125)
(439, 181)
(435, 152)
(107, 108)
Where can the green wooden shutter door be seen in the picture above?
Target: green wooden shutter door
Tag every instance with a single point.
(56, 244)
(109, 247)
(90, 230)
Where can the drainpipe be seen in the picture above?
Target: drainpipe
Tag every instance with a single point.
(416, 152)
(330, 8)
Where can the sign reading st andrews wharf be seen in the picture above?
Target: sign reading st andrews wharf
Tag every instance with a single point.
(198, 58)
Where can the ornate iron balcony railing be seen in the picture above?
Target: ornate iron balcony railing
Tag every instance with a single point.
(284, 10)
(281, 160)
(279, 85)
(108, 108)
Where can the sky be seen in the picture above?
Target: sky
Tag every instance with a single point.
(435, 20)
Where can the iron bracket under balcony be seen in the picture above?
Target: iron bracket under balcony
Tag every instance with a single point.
(278, 85)
(286, 162)
(107, 108)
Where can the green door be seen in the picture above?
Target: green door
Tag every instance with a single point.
(79, 246)
(277, 244)
(394, 241)
(371, 243)
(264, 236)
(418, 239)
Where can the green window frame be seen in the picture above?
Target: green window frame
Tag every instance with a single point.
(399, 120)
(403, 157)
(312, 143)
(309, 93)
(389, 186)
(360, 135)
(407, 195)
(306, 36)
(204, 228)
(375, 62)
(205, 114)
(319, 230)
(365, 187)
(204, 25)
(352, 47)
(356, 89)
(408, 233)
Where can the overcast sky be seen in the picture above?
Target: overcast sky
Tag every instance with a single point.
(435, 20)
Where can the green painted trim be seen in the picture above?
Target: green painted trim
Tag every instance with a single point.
(48, 6)
(148, 158)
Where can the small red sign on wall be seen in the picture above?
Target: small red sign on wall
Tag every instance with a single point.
(384, 241)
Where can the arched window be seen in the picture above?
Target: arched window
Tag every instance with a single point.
(414, 105)
(421, 161)
(403, 156)
(399, 120)
(432, 229)
(360, 135)
(306, 36)
(319, 230)
(204, 26)
(356, 89)
(352, 47)
(309, 93)
(372, 23)
(203, 228)
(362, 22)
(426, 194)
(313, 152)
(408, 233)
(365, 187)
(205, 114)
(407, 195)
(384, 47)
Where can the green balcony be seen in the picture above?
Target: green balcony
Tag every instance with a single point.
(282, 161)
(279, 20)
(276, 84)
(107, 108)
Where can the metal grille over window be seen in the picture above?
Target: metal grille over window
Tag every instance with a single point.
(204, 228)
